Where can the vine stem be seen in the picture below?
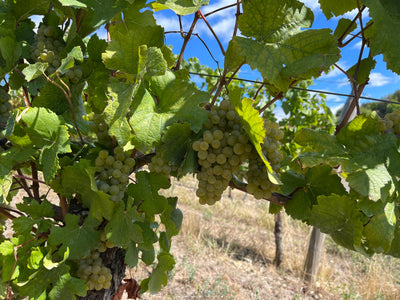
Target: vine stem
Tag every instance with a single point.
(23, 182)
(186, 41)
(6, 214)
(258, 91)
(238, 13)
(275, 198)
(278, 97)
(68, 96)
(26, 96)
(12, 210)
(35, 182)
(201, 40)
(340, 39)
(21, 176)
(64, 205)
(212, 31)
(221, 8)
(357, 90)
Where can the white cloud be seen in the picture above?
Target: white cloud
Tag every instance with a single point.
(357, 45)
(169, 24)
(279, 114)
(352, 14)
(334, 109)
(378, 79)
(312, 4)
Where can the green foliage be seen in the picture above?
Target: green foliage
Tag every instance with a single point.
(101, 110)
(283, 54)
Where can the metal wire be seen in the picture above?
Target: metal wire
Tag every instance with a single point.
(303, 89)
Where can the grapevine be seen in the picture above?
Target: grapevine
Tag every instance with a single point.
(130, 98)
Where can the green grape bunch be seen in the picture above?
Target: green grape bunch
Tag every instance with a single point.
(221, 150)
(5, 107)
(47, 47)
(100, 128)
(160, 166)
(93, 271)
(104, 243)
(259, 184)
(114, 171)
(390, 123)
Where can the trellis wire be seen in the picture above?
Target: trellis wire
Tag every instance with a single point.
(298, 88)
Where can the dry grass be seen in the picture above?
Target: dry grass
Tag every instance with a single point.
(226, 252)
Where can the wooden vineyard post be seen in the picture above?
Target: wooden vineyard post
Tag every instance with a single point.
(313, 255)
(278, 240)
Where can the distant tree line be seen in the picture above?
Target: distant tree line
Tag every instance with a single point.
(382, 108)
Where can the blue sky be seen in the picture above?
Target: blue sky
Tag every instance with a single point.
(382, 81)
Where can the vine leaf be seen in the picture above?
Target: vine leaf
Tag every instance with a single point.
(73, 3)
(381, 220)
(319, 180)
(292, 181)
(253, 124)
(299, 206)
(145, 191)
(40, 281)
(80, 239)
(364, 69)
(276, 45)
(340, 217)
(123, 51)
(175, 94)
(172, 218)
(46, 131)
(121, 229)
(67, 287)
(99, 76)
(382, 35)
(180, 7)
(132, 255)
(344, 25)
(374, 182)
(169, 99)
(332, 8)
(102, 10)
(79, 179)
(159, 276)
(176, 147)
(5, 186)
(34, 71)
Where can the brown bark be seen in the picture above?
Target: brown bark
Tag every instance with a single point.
(278, 240)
